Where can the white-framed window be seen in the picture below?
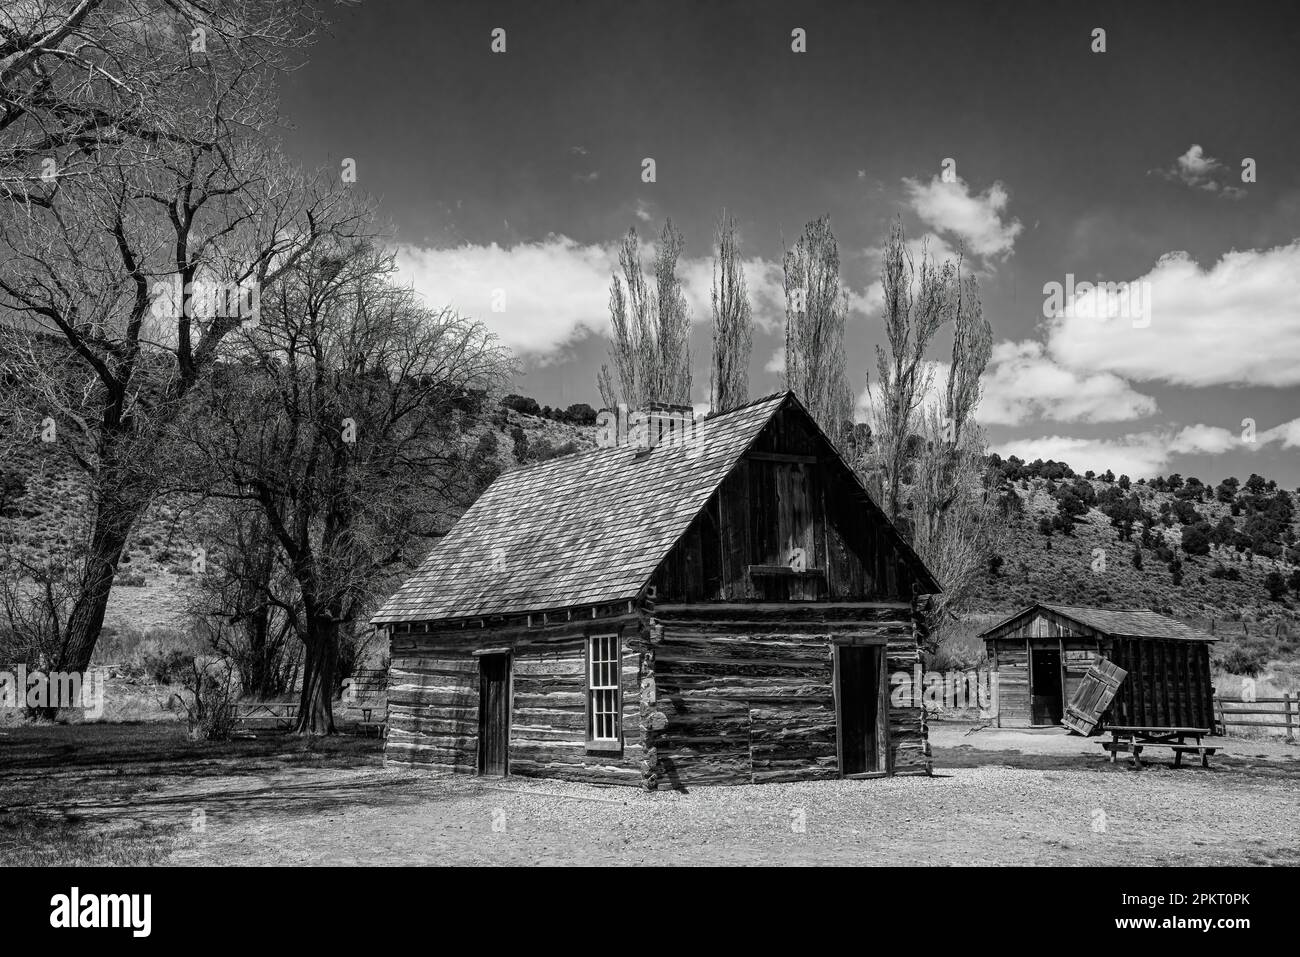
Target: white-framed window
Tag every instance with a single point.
(604, 699)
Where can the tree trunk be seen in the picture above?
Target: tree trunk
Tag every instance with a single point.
(113, 521)
(320, 663)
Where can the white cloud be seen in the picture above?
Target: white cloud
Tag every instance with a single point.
(1144, 454)
(776, 363)
(975, 218)
(554, 290)
(1137, 455)
(764, 283)
(643, 212)
(1288, 433)
(1023, 383)
(557, 290)
(1199, 171)
(1204, 438)
(1232, 324)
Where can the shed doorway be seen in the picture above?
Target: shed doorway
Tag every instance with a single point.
(1045, 686)
(494, 714)
(861, 701)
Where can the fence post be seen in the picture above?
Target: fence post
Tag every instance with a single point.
(1290, 728)
(1218, 714)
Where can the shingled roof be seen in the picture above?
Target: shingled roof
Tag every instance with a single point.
(1123, 623)
(581, 529)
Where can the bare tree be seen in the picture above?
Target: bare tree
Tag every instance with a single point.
(733, 325)
(339, 416)
(917, 302)
(245, 605)
(650, 327)
(162, 183)
(927, 455)
(816, 309)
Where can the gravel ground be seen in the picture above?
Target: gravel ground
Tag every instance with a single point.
(997, 797)
(1077, 809)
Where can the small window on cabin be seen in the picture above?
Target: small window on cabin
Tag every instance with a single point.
(605, 721)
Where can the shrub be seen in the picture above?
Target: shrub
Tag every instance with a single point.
(1275, 585)
(580, 414)
(1227, 574)
(210, 698)
(521, 444)
(1196, 540)
(522, 403)
(1249, 656)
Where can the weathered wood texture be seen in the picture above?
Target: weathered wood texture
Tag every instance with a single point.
(1168, 684)
(741, 696)
(434, 700)
(789, 523)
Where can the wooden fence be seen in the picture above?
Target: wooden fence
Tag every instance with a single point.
(1283, 712)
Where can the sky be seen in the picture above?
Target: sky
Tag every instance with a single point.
(509, 178)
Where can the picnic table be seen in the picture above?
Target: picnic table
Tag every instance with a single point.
(282, 712)
(1135, 739)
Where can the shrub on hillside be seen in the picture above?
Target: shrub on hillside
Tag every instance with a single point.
(1196, 539)
(1227, 574)
(580, 414)
(1275, 585)
(522, 403)
(1246, 656)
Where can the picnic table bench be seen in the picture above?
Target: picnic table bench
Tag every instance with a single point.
(1134, 739)
(281, 712)
(369, 726)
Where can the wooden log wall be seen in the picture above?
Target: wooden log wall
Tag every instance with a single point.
(433, 699)
(745, 693)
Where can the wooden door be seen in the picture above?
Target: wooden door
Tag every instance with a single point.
(1093, 696)
(494, 714)
(861, 709)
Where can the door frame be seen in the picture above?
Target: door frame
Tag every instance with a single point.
(1060, 681)
(883, 758)
(509, 706)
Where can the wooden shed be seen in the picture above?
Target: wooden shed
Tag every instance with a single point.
(719, 602)
(1041, 654)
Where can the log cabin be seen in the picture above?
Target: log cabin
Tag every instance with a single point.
(1041, 654)
(718, 601)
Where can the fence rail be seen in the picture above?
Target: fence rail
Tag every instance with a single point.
(1286, 709)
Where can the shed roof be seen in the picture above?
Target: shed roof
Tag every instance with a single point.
(586, 528)
(1119, 622)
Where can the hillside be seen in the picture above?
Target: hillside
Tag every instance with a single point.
(150, 590)
(1092, 565)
